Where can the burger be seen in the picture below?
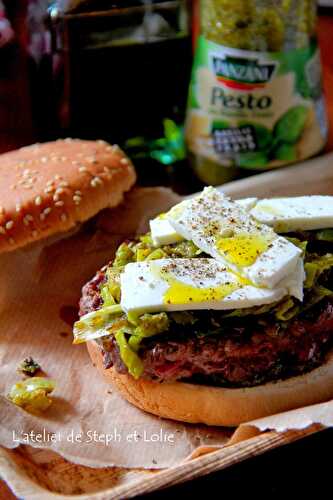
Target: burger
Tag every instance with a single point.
(53, 187)
(222, 313)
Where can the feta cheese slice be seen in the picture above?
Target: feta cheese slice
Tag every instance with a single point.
(162, 233)
(188, 284)
(293, 214)
(225, 231)
(247, 203)
(294, 282)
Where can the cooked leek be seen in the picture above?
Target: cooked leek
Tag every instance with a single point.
(96, 324)
(32, 394)
(128, 356)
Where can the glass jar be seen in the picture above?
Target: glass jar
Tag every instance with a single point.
(125, 64)
(255, 100)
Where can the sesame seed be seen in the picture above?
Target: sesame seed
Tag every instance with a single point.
(124, 161)
(47, 210)
(49, 190)
(9, 224)
(2, 230)
(96, 181)
(77, 199)
(57, 177)
(49, 183)
(38, 200)
(68, 139)
(78, 192)
(91, 159)
(18, 207)
(59, 190)
(26, 172)
(59, 203)
(63, 184)
(63, 217)
(29, 217)
(75, 162)
(13, 186)
(83, 169)
(63, 158)
(26, 221)
(2, 210)
(106, 170)
(44, 159)
(100, 141)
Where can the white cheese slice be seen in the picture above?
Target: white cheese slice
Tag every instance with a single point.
(162, 233)
(293, 214)
(247, 203)
(294, 282)
(222, 229)
(188, 284)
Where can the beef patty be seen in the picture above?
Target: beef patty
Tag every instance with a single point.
(237, 352)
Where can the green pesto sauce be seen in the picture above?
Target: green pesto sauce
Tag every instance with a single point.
(259, 25)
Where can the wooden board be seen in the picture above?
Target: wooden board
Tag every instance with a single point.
(32, 479)
(311, 177)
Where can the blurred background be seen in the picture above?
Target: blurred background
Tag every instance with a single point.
(117, 70)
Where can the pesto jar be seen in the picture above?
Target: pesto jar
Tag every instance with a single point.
(255, 99)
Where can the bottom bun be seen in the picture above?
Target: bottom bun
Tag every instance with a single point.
(217, 405)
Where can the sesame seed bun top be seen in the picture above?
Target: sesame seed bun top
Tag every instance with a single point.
(49, 188)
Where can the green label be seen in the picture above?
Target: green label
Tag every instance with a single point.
(255, 109)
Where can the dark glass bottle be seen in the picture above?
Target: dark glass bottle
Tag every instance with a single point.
(125, 68)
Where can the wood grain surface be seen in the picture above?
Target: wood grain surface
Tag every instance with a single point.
(25, 486)
(311, 177)
(5, 493)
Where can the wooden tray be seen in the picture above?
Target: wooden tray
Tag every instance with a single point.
(40, 474)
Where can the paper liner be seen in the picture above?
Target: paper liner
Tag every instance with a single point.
(40, 289)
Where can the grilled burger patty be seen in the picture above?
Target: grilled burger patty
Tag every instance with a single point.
(235, 352)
